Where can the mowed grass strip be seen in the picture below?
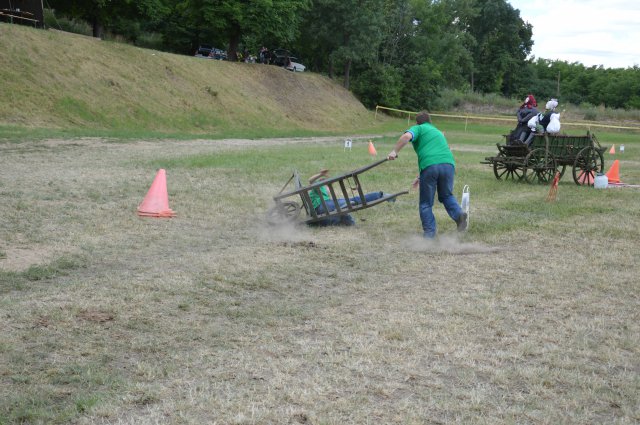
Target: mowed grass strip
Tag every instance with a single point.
(530, 317)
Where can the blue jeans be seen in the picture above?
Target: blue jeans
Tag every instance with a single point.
(437, 177)
(345, 219)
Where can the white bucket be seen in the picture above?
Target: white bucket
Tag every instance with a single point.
(601, 181)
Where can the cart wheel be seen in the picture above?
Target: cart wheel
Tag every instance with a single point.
(285, 212)
(587, 164)
(539, 166)
(507, 170)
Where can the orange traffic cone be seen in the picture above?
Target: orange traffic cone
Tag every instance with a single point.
(612, 150)
(613, 173)
(372, 149)
(156, 202)
(586, 178)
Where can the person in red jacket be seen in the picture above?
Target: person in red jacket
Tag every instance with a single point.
(526, 111)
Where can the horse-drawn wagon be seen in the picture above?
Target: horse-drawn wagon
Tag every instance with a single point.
(546, 155)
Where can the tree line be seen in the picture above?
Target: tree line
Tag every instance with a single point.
(397, 53)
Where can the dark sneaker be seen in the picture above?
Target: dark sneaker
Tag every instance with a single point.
(462, 222)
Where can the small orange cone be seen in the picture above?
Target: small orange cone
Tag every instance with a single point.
(372, 149)
(612, 150)
(613, 174)
(586, 178)
(156, 202)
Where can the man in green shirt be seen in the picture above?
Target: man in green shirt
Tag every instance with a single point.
(437, 169)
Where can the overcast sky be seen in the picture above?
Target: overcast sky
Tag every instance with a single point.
(604, 32)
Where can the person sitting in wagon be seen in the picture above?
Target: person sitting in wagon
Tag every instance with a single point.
(323, 193)
(527, 110)
(550, 119)
(547, 121)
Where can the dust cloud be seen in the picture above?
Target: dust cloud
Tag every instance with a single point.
(450, 244)
(286, 232)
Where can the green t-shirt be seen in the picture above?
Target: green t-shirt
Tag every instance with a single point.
(315, 196)
(430, 146)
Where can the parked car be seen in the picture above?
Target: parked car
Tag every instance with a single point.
(210, 52)
(284, 58)
(279, 57)
(294, 65)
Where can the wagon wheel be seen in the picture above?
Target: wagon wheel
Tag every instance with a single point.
(285, 212)
(507, 170)
(539, 166)
(587, 164)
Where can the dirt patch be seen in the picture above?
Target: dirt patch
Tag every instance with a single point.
(18, 259)
(96, 316)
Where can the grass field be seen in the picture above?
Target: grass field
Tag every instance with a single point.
(213, 317)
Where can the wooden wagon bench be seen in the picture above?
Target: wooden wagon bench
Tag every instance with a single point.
(547, 155)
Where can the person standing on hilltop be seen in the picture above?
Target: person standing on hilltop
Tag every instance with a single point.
(264, 55)
(437, 169)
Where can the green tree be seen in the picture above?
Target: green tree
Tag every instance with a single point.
(429, 42)
(503, 42)
(93, 11)
(442, 41)
(577, 84)
(233, 20)
(421, 85)
(398, 29)
(126, 17)
(348, 31)
(379, 85)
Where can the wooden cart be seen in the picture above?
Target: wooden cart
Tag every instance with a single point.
(548, 154)
(289, 205)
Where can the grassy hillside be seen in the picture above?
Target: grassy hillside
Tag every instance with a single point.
(57, 80)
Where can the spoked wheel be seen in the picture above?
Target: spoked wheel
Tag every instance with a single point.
(539, 166)
(587, 164)
(507, 170)
(284, 212)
